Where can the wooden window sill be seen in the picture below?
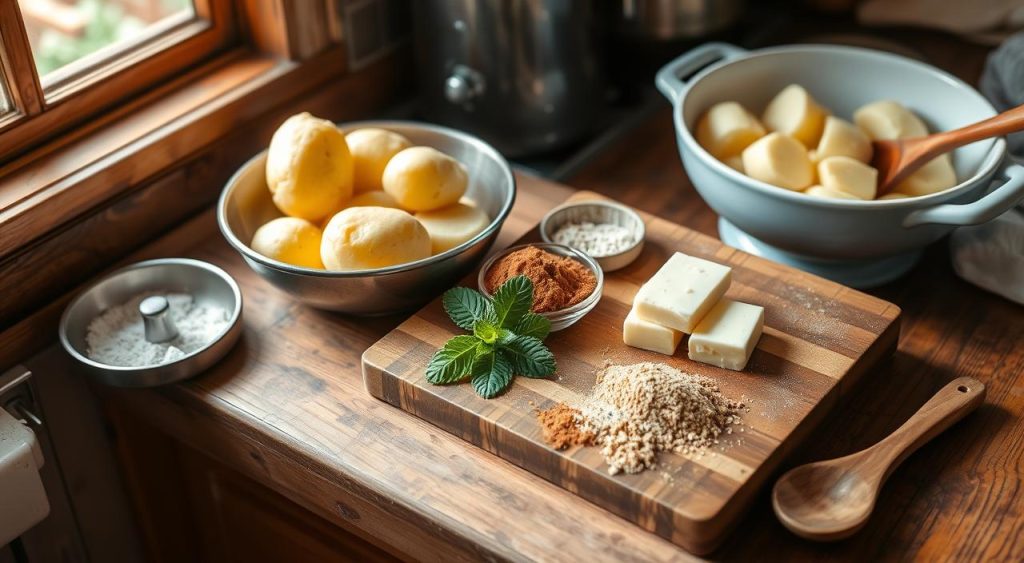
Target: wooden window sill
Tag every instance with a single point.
(75, 174)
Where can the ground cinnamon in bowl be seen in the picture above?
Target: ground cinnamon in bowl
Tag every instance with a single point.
(559, 282)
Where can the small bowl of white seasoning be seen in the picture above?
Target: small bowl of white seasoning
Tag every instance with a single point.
(154, 322)
(610, 233)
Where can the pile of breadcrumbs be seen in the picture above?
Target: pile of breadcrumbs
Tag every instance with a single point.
(638, 410)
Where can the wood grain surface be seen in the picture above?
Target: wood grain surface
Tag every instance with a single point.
(287, 407)
(819, 338)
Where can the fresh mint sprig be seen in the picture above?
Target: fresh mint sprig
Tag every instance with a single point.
(506, 340)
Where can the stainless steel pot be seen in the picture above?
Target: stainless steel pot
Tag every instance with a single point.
(666, 20)
(522, 74)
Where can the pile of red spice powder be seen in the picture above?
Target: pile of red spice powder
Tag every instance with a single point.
(558, 281)
(560, 427)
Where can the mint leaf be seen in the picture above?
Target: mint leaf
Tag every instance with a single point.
(492, 374)
(512, 301)
(529, 356)
(465, 306)
(486, 331)
(504, 335)
(454, 361)
(532, 324)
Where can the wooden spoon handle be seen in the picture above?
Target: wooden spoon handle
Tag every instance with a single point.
(1010, 121)
(950, 404)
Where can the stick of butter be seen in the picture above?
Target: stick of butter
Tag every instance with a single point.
(727, 335)
(682, 292)
(646, 335)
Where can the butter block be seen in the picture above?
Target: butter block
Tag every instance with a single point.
(646, 335)
(682, 292)
(727, 335)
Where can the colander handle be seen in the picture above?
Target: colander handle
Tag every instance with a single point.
(670, 79)
(986, 208)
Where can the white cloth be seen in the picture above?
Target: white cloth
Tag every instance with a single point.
(991, 256)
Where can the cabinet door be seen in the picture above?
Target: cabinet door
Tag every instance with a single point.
(193, 508)
(243, 521)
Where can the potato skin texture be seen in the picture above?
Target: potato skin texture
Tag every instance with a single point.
(290, 240)
(424, 179)
(365, 238)
(309, 167)
(372, 149)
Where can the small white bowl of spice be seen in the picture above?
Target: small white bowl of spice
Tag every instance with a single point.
(611, 233)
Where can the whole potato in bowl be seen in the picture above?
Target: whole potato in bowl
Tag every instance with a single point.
(861, 243)
(245, 204)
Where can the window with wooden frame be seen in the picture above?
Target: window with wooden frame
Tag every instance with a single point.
(65, 61)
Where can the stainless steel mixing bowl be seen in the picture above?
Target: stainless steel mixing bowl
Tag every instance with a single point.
(205, 282)
(246, 204)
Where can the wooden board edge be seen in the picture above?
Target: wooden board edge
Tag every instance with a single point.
(488, 436)
(700, 536)
(373, 372)
(883, 347)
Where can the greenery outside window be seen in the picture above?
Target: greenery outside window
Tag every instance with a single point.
(64, 61)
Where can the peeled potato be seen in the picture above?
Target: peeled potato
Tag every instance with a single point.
(886, 119)
(424, 179)
(377, 198)
(309, 167)
(452, 225)
(894, 195)
(291, 240)
(371, 150)
(734, 162)
(794, 112)
(362, 238)
(821, 191)
(842, 138)
(726, 129)
(779, 160)
(844, 174)
(936, 176)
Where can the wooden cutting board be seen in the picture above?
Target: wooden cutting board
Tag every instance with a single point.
(819, 338)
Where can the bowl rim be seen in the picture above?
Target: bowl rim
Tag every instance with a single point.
(641, 231)
(471, 140)
(582, 307)
(190, 262)
(988, 166)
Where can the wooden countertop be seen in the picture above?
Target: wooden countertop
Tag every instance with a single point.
(287, 407)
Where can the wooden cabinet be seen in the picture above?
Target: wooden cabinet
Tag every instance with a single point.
(193, 508)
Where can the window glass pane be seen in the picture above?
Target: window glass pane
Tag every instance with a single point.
(64, 31)
(5, 104)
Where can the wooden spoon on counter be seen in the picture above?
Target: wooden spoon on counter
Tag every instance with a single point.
(897, 158)
(830, 500)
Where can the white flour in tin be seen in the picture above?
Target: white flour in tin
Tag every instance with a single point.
(117, 336)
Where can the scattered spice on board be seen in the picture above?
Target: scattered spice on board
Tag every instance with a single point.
(558, 281)
(596, 239)
(560, 427)
(638, 410)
